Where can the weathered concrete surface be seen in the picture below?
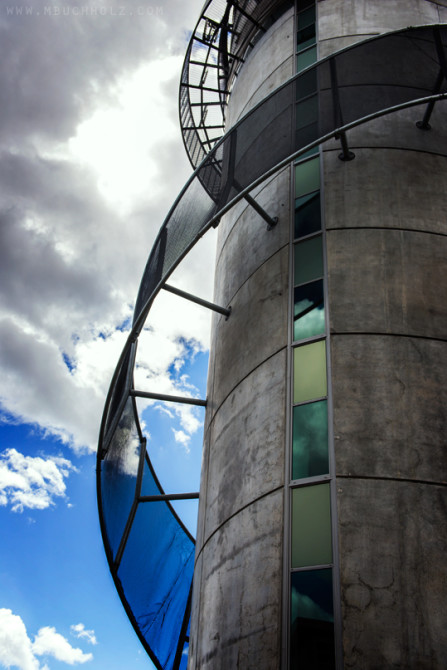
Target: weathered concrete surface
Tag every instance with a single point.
(388, 394)
(343, 22)
(387, 278)
(384, 189)
(252, 421)
(390, 401)
(256, 329)
(244, 243)
(240, 571)
(393, 571)
(387, 281)
(236, 618)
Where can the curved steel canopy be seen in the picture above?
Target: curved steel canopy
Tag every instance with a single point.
(150, 552)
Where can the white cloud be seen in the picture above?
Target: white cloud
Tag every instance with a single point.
(80, 631)
(182, 438)
(32, 482)
(84, 188)
(164, 410)
(18, 651)
(15, 645)
(115, 140)
(50, 643)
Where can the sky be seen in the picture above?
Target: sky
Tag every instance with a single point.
(91, 159)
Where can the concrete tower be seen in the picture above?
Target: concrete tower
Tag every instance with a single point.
(321, 538)
(322, 519)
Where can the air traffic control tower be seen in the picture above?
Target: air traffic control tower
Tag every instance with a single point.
(318, 135)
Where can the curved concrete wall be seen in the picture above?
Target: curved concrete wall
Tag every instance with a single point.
(237, 611)
(385, 216)
(344, 22)
(386, 249)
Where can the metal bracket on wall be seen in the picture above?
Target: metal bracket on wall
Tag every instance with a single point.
(424, 124)
(271, 221)
(346, 155)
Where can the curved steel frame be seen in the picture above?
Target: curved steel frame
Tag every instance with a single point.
(347, 102)
(224, 33)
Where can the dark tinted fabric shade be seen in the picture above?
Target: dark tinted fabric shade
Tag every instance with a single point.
(156, 574)
(119, 476)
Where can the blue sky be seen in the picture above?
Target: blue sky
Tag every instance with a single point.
(91, 160)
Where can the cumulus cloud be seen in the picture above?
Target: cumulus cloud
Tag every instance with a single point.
(89, 99)
(80, 631)
(50, 643)
(15, 645)
(32, 482)
(182, 438)
(18, 651)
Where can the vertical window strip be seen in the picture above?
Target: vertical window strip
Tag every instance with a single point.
(311, 628)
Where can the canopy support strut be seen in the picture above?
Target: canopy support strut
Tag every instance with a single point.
(199, 301)
(169, 496)
(167, 398)
(271, 222)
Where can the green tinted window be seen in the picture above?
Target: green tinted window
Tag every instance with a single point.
(308, 317)
(311, 526)
(305, 37)
(312, 616)
(309, 372)
(308, 260)
(307, 214)
(307, 177)
(310, 440)
(306, 112)
(306, 58)
(306, 18)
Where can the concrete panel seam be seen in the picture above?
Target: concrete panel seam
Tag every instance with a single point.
(384, 334)
(389, 229)
(266, 260)
(404, 480)
(384, 148)
(331, 39)
(247, 206)
(229, 518)
(249, 103)
(215, 411)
